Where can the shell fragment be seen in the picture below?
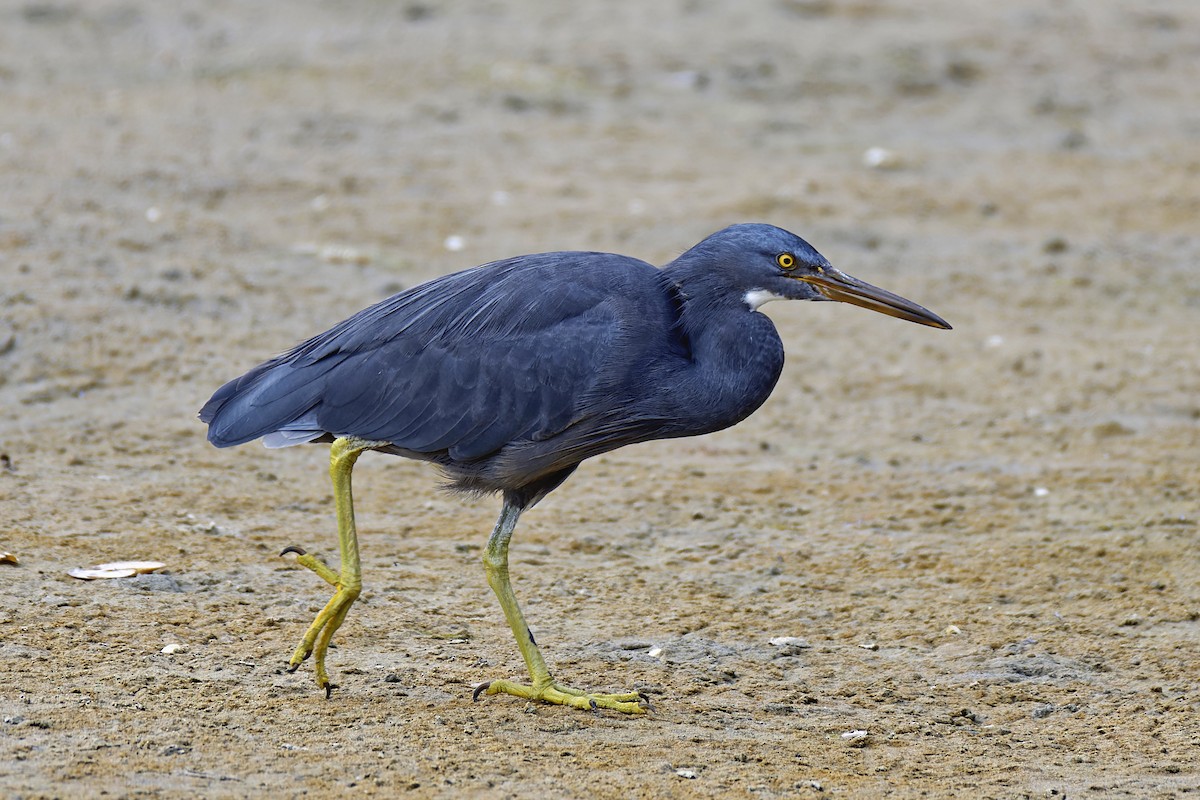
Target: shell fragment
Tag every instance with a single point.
(115, 569)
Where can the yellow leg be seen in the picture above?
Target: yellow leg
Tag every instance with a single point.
(347, 582)
(542, 685)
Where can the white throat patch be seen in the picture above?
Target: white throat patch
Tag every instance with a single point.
(756, 297)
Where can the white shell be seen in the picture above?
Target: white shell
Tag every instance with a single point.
(115, 569)
(136, 566)
(92, 574)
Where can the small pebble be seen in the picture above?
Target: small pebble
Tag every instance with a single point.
(685, 773)
(173, 648)
(881, 158)
(789, 641)
(343, 254)
(855, 738)
(152, 582)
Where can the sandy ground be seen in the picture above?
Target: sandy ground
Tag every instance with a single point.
(982, 543)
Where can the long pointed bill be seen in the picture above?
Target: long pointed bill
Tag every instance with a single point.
(837, 285)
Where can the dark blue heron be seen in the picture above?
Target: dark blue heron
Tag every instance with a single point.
(508, 375)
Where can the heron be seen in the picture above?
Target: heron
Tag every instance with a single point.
(508, 375)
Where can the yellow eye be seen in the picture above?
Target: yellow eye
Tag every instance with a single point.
(785, 260)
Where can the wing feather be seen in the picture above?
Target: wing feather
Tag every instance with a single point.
(464, 365)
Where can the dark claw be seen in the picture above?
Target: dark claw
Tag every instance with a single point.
(592, 703)
(480, 689)
(292, 548)
(296, 666)
(329, 687)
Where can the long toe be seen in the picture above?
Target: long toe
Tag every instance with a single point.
(299, 656)
(319, 636)
(306, 559)
(626, 703)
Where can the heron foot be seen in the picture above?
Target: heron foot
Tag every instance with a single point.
(627, 703)
(319, 635)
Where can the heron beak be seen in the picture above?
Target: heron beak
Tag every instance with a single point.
(837, 285)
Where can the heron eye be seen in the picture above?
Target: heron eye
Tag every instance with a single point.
(785, 260)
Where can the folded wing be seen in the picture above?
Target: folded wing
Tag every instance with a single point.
(512, 351)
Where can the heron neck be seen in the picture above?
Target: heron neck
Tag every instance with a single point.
(737, 357)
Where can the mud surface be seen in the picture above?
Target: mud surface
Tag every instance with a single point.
(981, 543)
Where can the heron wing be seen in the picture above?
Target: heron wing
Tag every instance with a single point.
(512, 351)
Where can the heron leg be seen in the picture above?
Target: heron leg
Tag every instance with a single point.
(348, 581)
(542, 685)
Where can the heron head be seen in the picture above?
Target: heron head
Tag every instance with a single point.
(773, 264)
